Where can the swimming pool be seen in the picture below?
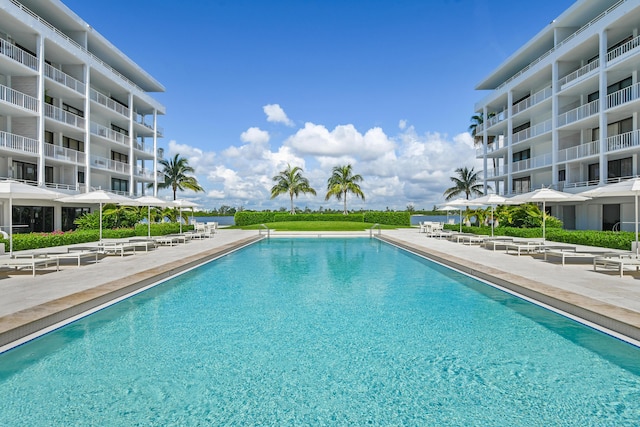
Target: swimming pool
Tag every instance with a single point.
(322, 332)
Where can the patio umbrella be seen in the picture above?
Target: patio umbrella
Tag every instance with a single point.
(447, 209)
(13, 190)
(460, 203)
(149, 201)
(181, 203)
(101, 197)
(544, 196)
(493, 200)
(630, 187)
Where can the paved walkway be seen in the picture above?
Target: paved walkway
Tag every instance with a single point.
(28, 303)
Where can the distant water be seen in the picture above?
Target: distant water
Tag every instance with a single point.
(221, 220)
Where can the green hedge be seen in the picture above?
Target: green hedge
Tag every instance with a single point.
(22, 242)
(602, 239)
(249, 218)
(283, 217)
(388, 218)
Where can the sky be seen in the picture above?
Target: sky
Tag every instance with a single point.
(384, 85)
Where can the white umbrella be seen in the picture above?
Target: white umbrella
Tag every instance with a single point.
(544, 196)
(493, 200)
(460, 203)
(18, 190)
(181, 203)
(149, 201)
(100, 197)
(629, 187)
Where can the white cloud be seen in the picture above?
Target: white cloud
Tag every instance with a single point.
(255, 135)
(276, 114)
(402, 124)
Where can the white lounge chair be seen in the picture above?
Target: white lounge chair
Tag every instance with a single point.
(527, 247)
(569, 253)
(618, 261)
(32, 263)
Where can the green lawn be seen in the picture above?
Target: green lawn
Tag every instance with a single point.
(317, 226)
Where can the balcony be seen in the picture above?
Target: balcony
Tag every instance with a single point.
(140, 119)
(497, 171)
(623, 141)
(497, 118)
(531, 132)
(19, 55)
(18, 99)
(579, 113)
(535, 99)
(65, 154)
(579, 151)
(628, 94)
(18, 144)
(579, 73)
(109, 134)
(108, 103)
(624, 49)
(60, 115)
(110, 165)
(147, 148)
(144, 173)
(533, 163)
(64, 79)
(497, 144)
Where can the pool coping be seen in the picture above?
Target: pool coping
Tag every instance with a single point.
(19, 325)
(620, 320)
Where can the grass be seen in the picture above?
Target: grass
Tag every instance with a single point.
(317, 226)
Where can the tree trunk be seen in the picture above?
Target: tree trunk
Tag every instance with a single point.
(293, 212)
(345, 204)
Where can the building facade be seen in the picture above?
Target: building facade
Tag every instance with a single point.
(76, 114)
(562, 112)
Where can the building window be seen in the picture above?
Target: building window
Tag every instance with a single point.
(119, 129)
(619, 168)
(119, 157)
(72, 110)
(25, 171)
(522, 155)
(69, 215)
(521, 127)
(48, 137)
(119, 185)
(619, 85)
(72, 144)
(48, 174)
(562, 175)
(80, 177)
(28, 219)
(522, 185)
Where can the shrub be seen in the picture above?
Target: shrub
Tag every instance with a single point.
(389, 218)
(282, 217)
(249, 218)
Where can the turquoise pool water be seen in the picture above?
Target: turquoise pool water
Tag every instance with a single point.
(322, 332)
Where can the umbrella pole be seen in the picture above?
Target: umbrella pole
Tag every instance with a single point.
(460, 220)
(180, 219)
(544, 217)
(10, 226)
(101, 221)
(492, 220)
(149, 221)
(636, 223)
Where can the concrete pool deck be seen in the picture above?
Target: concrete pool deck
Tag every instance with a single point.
(29, 304)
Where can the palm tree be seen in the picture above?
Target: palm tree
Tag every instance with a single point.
(467, 182)
(176, 176)
(341, 182)
(291, 181)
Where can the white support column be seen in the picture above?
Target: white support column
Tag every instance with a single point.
(602, 78)
(40, 130)
(87, 134)
(554, 126)
(155, 152)
(508, 137)
(485, 141)
(132, 159)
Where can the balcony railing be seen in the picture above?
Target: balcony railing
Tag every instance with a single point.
(144, 173)
(60, 115)
(531, 132)
(18, 143)
(143, 147)
(61, 153)
(108, 164)
(497, 171)
(109, 103)
(534, 99)
(497, 118)
(497, 144)
(624, 140)
(579, 113)
(65, 79)
(140, 119)
(630, 93)
(580, 72)
(535, 162)
(579, 151)
(17, 54)
(109, 134)
(621, 50)
(18, 98)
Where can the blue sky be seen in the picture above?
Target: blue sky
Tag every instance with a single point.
(387, 86)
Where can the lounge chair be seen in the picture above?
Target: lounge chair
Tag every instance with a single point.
(472, 240)
(76, 254)
(527, 247)
(572, 252)
(615, 260)
(33, 263)
(495, 242)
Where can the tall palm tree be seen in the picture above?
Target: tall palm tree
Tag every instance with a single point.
(467, 182)
(176, 176)
(341, 182)
(291, 181)
(476, 121)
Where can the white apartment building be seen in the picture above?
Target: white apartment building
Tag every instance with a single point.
(562, 112)
(75, 112)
